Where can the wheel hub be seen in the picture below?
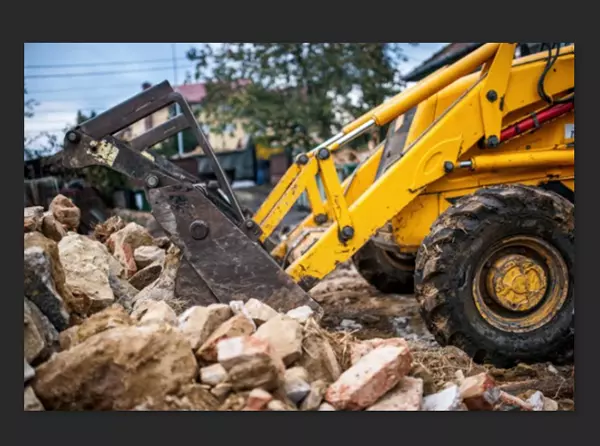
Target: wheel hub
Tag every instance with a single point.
(517, 282)
(520, 283)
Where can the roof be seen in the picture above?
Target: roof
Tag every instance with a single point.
(193, 93)
(447, 55)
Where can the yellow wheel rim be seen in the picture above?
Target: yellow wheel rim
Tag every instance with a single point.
(520, 284)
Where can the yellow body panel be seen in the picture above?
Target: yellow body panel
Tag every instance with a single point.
(454, 114)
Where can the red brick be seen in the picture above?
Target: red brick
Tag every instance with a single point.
(370, 378)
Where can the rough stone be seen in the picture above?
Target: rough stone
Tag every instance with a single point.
(221, 390)
(87, 267)
(197, 323)
(258, 399)
(478, 392)
(250, 363)
(277, 405)
(40, 338)
(191, 397)
(327, 407)
(162, 242)
(44, 279)
(361, 348)
(213, 374)
(370, 378)
(301, 314)
(32, 218)
(319, 358)
(238, 325)
(537, 401)
(31, 401)
(117, 369)
(259, 311)
(549, 405)
(315, 396)
(65, 211)
(124, 292)
(285, 335)
(163, 288)
(148, 312)
(29, 372)
(109, 318)
(147, 255)
(52, 228)
(294, 384)
(146, 276)
(406, 396)
(446, 400)
(104, 230)
(123, 243)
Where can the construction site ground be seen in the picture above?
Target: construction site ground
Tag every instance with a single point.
(353, 306)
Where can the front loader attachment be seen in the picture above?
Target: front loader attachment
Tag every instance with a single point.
(223, 259)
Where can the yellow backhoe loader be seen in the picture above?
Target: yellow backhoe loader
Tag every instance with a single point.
(468, 203)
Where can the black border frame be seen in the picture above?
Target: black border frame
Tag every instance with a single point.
(212, 22)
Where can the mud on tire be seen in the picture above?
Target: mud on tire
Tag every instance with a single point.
(447, 262)
(381, 271)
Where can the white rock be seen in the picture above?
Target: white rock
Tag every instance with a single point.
(447, 400)
(301, 314)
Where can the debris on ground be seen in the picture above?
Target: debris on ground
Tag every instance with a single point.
(98, 338)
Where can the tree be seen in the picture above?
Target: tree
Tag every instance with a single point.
(40, 144)
(295, 93)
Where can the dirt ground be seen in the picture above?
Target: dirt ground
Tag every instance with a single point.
(353, 306)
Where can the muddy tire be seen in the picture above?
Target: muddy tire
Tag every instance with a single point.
(482, 256)
(382, 271)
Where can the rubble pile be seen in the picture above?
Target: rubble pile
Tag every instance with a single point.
(103, 331)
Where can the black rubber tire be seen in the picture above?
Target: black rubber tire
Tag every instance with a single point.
(377, 269)
(448, 256)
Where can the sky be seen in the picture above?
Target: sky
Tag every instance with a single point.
(66, 77)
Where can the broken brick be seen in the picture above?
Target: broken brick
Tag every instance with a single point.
(198, 323)
(370, 378)
(406, 396)
(238, 325)
(285, 335)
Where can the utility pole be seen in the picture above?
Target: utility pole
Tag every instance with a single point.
(177, 108)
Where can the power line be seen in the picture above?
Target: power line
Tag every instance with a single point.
(96, 73)
(61, 90)
(95, 64)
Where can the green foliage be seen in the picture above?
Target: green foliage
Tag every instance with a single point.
(295, 93)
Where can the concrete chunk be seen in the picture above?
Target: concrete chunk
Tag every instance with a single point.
(319, 359)
(294, 384)
(213, 374)
(370, 378)
(285, 335)
(31, 401)
(238, 325)
(446, 400)
(147, 255)
(150, 311)
(259, 311)
(258, 399)
(315, 396)
(197, 323)
(406, 396)
(301, 314)
(29, 373)
(250, 363)
(32, 218)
